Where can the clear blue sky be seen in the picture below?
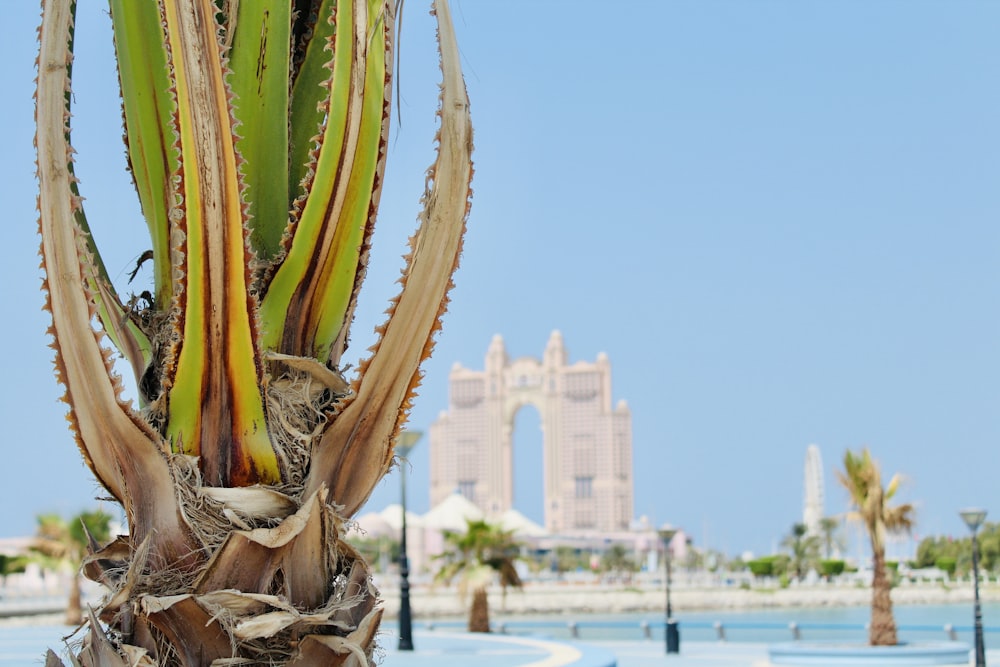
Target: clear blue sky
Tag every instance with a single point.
(779, 219)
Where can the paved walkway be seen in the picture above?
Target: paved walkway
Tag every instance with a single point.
(22, 645)
(693, 654)
(462, 650)
(26, 644)
(459, 649)
(436, 648)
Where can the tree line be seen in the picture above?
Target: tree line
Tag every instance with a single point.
(954, 555)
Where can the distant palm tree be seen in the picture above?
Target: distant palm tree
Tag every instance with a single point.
(804, 549)
(566, 559)
(830, 527)
(65, 543)
(474, 556)
(617, 562)
(863, 480)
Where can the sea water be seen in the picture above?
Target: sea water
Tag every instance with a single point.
(915, 622)
(24, 641)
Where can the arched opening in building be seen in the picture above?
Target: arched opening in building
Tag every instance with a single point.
(529, 464)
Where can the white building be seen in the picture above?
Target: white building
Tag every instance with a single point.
(812, 502)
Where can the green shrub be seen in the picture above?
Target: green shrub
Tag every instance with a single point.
(831, 568)
(781, 564)
(769, 566)
(892, 565)
(946, 564)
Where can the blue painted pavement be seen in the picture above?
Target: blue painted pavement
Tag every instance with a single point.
(25, 644)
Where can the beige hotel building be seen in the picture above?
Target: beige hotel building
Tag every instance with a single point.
(587, 443)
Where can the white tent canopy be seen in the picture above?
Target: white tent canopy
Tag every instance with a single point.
(371, 525)
(520, 525)
(452, 513)
(393, 515)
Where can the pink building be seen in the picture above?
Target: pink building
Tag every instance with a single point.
(587, 443)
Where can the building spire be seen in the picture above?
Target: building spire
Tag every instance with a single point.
(555, 350)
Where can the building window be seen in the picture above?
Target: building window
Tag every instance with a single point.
(468, 489)
(584, 487)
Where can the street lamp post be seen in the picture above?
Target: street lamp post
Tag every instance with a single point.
(405, 442)
(974, 518)
(672, 633)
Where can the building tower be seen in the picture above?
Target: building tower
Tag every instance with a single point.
(587, 443)
(812, 506)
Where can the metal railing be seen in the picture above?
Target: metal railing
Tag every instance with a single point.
(582, 629)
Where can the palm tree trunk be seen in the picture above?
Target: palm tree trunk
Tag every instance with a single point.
(882, 631)
(479, 615)
(74, 607)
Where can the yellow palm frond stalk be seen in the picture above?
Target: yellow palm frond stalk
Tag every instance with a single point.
(256, 136)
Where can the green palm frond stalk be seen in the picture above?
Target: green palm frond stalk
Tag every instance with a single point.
(256, 137)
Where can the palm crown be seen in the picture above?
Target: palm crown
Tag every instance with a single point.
(256, 137)
(862, 479)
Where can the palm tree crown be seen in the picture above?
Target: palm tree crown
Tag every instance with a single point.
(256, 136)
(862, 478)
(803, 548)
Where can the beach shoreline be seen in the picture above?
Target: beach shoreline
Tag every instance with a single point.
(589, 598)
(556, 598)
